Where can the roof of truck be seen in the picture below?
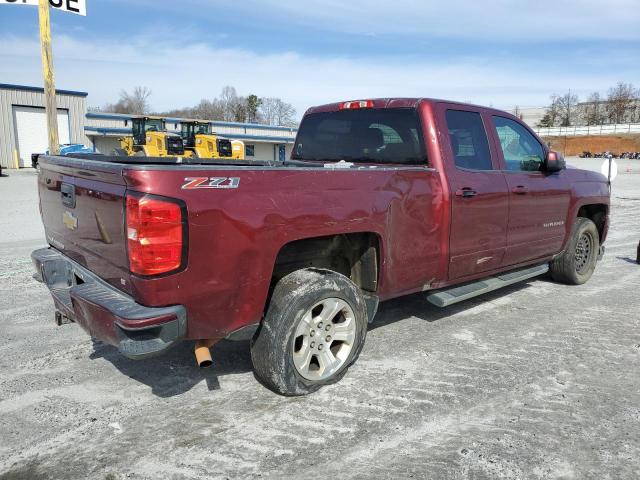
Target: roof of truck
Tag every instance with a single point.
(399, 102)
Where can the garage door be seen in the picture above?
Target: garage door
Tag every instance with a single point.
(31, 131)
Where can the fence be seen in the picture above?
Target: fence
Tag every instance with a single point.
(588, 130)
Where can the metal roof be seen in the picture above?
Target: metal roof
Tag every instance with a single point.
(124, 116)
(127, 131)
(27, 88)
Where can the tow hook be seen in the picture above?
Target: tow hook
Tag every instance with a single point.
(203, 352)
(61, 319)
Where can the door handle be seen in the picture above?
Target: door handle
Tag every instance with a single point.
(466, 192)
(520, 190)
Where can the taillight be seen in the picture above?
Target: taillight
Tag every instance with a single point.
(356, 104)
(155, 235)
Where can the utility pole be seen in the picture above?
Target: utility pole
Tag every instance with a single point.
(78, 7)
(49, 77)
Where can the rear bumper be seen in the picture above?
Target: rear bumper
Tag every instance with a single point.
(105, 312)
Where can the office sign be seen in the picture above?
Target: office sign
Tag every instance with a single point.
(79, 7)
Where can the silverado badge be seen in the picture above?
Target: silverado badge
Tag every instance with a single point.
(70, 220)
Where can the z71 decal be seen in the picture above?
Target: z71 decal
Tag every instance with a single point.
(211, 182)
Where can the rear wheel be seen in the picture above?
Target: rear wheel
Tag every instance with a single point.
(576, 265)
(314, 330)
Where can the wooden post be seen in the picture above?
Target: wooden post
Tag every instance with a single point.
(49, 79)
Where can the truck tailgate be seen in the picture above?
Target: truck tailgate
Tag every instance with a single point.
(82, 207)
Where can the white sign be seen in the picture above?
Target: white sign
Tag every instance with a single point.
(79, 7)
(605, 169)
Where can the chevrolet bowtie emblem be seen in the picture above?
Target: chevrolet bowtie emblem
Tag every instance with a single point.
(70, 220)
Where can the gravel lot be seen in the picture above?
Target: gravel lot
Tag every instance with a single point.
(536, 381)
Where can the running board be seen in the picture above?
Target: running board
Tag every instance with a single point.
(444, 298)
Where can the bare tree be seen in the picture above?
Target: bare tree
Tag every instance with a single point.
(268, 110)
(232, 105)
(592, 111)
(229, 106)
(636, 107)
(276, 112)
(621, 102)
(208, 110)
(566, 106)
(134, 103)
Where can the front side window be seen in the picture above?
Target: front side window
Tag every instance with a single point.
(378, 135)
(468, 140)
(249, 150)
(521, 150)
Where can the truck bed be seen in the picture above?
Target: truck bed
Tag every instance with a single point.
(235, 231)
(133, 160)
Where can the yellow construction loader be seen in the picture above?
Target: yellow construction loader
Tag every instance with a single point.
(150, 138)
(200, 141)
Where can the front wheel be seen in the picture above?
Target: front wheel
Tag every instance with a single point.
(576, 265)
(314, 330)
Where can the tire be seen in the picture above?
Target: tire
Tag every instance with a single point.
(302, 303)
(119, 152)
(577, 263)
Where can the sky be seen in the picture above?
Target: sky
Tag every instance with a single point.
(501, 53)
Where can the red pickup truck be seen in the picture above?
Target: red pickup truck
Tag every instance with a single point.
(381, 198)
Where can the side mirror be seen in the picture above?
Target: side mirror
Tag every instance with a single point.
(554, 162)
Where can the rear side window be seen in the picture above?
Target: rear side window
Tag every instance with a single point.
(468, 140)
(384, 135)
(521, 150)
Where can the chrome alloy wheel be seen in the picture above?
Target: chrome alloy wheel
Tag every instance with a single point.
(324, 338)
(583, 252)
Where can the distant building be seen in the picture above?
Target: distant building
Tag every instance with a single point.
(584, 113)
(598, 113)
(529, 115)
(23, 127)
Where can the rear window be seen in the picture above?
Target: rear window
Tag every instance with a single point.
(386, 135)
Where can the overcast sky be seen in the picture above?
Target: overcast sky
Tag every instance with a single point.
(501, 53)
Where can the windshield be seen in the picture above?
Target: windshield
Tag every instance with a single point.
(203, 129)
(386, 135)
(154, 125)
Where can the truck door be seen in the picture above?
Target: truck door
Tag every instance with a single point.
(538, 201)
(479, 204)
